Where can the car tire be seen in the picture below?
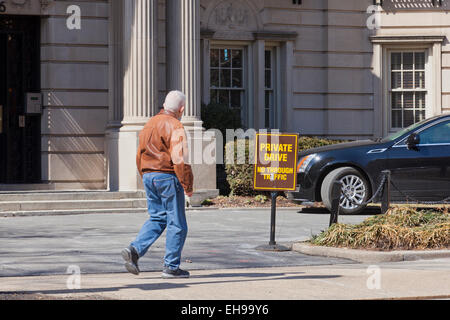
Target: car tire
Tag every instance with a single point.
(354, 182)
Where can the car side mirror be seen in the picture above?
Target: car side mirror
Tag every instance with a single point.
(413, 141)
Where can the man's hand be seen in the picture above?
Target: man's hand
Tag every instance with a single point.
(189, 194)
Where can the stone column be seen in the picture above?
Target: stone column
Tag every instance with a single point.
(140, 61)
(133, 86)
(190, 68)
(377, 73)
(183, 53)
(286, 63)
(173, 45)
(184, 74)
(259, 114)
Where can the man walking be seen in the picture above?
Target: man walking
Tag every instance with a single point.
(166, 177)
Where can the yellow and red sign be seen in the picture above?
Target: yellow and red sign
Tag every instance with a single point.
(275, 162)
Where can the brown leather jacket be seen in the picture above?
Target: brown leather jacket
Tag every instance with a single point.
(163, 148)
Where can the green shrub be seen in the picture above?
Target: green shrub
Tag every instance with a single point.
(220, 117)
(306, 143)
(261, 198)
(240, 176)
(207, 202)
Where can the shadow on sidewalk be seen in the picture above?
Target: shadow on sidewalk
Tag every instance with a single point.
(168, 285)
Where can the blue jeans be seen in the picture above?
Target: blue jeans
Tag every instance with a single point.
(166, 207)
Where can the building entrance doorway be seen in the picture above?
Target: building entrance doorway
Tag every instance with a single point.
(20, 132)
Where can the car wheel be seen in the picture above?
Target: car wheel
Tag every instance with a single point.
(353, 183)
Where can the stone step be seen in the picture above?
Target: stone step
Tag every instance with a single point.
(28, 187)
(16, 206)
(41, 203)
(69, 195)
(10, 214)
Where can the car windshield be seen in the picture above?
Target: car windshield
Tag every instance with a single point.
(400, 133)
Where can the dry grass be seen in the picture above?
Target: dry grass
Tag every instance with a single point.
(400, 229)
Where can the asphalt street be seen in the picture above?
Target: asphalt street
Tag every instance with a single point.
(217, 239)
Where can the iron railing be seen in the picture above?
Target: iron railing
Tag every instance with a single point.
(383, 193)
(412, 4)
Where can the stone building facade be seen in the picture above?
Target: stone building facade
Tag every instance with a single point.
(328, 68)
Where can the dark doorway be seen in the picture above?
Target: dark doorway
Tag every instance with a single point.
(20, 133)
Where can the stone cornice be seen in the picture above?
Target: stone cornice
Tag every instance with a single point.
(257, 35)
(207, 33)
(408, 39)
(275, 35)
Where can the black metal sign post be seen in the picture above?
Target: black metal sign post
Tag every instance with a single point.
(278, 174)
(273, 213)
(273, 246)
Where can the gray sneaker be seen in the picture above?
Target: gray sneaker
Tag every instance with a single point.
(174, 274)
(131, 258)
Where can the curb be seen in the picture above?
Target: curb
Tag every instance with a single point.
(365, 256)
(18, 214)
(54, 213)
(240, 208)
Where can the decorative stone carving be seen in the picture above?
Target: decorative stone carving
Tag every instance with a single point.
(231, 15)
(20, 3)
(44, 4)
(25, 7)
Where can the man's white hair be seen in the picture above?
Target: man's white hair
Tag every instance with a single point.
(174, 101)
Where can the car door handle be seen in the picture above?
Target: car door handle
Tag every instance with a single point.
(377, 151)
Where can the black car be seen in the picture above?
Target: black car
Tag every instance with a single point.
(418, 158)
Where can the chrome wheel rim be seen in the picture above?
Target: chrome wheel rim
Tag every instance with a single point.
(354, 188)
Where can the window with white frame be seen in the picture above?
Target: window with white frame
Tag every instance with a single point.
(234, 79)
(227, 85)
(408, 88)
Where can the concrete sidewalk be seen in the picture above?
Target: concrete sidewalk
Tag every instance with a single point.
(217, 239)
(426, 279)
(220, 252)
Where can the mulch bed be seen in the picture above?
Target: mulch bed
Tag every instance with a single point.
(248, 202)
